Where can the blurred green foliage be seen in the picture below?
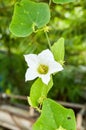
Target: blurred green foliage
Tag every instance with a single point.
(68, 21)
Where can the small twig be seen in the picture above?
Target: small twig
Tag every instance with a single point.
(72, 105)
(79, 119)
(67, 104)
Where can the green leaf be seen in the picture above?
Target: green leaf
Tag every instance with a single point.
(29, 16)
(58, 50)
(55, 117)
(62, 1)
(60, 128)
(39, 92)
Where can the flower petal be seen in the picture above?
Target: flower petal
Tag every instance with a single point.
(31, 59)
(45, 57)
(54, 67)
(45, 78)
(30, 74)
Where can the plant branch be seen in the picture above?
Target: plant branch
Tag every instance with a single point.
(49, 44)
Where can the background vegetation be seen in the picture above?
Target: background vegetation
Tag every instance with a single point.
(68, 21)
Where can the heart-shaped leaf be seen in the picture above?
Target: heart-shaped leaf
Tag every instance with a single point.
(39, 92)
(55, 117)
(29, 16)
(62, 1)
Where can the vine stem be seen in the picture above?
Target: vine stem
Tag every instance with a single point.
(49, 2)
(49, 44)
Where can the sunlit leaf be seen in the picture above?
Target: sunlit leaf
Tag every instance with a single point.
(29, 16)
(39, 92)
(55, 117)
(58, 50)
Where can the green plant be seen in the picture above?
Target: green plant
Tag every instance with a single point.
(32, 17)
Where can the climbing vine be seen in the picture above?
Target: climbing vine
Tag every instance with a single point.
(30, 17)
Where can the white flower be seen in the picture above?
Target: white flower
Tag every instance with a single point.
(41, 65)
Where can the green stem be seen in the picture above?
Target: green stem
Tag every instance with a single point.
(49, 2)
(38, 109)
(48, 40)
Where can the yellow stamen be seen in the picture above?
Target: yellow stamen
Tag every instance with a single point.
(43, 69)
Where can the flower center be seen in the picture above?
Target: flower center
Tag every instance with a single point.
(43, 69)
